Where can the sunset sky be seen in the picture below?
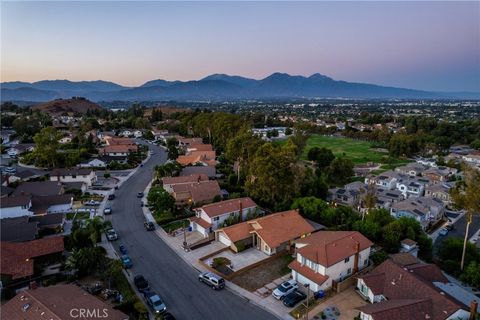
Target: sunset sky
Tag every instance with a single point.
(420, 45)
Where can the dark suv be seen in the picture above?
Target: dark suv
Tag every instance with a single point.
(149, 225)
(141, 283)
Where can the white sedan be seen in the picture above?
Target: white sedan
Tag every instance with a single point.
(285, 288)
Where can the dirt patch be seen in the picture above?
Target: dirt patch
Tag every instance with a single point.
(263, 274)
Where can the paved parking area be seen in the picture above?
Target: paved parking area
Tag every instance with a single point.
(242, 259)
(346, 302)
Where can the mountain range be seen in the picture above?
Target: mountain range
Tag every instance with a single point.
(217, 87)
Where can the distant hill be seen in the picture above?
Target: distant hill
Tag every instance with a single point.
(218, 87)
(74, 105)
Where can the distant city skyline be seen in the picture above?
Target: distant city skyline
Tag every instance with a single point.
(420, 45)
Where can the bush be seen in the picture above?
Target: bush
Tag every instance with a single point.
(220, 261)
(106, 175)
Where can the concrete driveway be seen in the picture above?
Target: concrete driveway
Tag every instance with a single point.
(346, 302)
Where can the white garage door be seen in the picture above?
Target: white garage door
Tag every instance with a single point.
(223, 239)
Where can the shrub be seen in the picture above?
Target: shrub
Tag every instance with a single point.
(220, 261)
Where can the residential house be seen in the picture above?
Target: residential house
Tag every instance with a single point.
(18, 229)
(406, 292)
(118, 150)
(412, 186)
(439, 174)
(185, 142)
(409, 246)
(412, 169)
(52, 204)
(12, 207)
(440, 191)
(387, 180)
(170, 182)
(387, 197)
(94, 163)
(473, 157)
(199, 147)
(39, 188)
(206, 158)
(196, 194)
(18, 258)
(350, 195)
(210, 171)
(270, 234)
(23, 175)
(60, 302)
(426, 211)
(160, 135)
(20, 148)
(88, 176)
(210, 217)
(325, 258)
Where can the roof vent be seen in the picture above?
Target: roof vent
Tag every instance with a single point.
(25, 307)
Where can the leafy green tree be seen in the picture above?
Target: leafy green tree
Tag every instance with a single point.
(321, 156)
(148, 135)
(471, 275)
(172, 148)
(466, 195)
(160, 199)
(340, 170)
(310, 207)
(46, 145)
(288, 131)
(450, 254)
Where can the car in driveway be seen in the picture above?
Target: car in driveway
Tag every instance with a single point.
(127, 262)
(443, 232)
(212, 280)
(449, 226)
(107, 211)
(285, 288)
(149, 226)
(155, 302)
(141, 283)
(291, 299)
(111, 235)
(140, 195)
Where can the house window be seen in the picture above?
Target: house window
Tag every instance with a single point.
(74, 176)
(216, 218)
(349, 270)
(265, 248)
(347, 259)
(365, 263)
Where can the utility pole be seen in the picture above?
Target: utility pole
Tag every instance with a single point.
(469, 221)
(307, 285)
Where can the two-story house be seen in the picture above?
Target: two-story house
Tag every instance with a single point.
(412, 169)
(407, 291)
(210, 217)
(85, 175)
(426, 211)
(12, 207)
(440, 191)
(350, 195)
(197, 193)
(439, 174)
(328, 257)
(387, 180)
(412, 186)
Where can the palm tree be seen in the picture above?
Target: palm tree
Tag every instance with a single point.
(95, 227)
(467, 196)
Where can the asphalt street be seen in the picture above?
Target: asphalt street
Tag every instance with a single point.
(459, 230)
(170, 276)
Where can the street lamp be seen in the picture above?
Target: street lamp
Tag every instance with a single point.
(307, 285)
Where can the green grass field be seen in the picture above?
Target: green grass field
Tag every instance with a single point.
(356, 150)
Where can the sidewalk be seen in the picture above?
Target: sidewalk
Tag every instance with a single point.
(192, 258)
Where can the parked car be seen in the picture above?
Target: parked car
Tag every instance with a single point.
(122, 249)
(149, 225)
(449, 226)
(111, 196)
(140, 195)
(10, 170)
(443, 231)
(127, 262)
(155, 302)
(212, 280)
(111, 235)
(285, 288)
(107, 210)
(293, 298)
(141, 283)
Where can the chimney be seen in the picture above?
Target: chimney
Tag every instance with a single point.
(33, 285)
(241, 209)
(357, 253)
(473, 309)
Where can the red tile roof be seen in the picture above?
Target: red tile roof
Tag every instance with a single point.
(274, 229)
(404, 283)
(204, 224)
(57, 302)
(307, 272)
(16, 257)
(185, 179)
(203, 191)
(329, 247)
(227, 206)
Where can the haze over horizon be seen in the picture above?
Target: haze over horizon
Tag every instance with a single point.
(431, 46)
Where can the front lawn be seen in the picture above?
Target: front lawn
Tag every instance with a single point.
(174, 225)
(263, 274)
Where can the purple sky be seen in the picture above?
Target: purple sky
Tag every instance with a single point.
(421, 45)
